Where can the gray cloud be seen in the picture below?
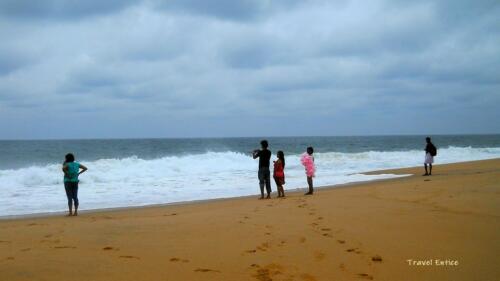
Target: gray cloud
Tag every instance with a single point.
(59, 9)
(186, 68)
(242, 10)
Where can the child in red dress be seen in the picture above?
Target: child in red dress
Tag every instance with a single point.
(279, 173)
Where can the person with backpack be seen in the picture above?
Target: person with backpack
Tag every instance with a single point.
(430, 152)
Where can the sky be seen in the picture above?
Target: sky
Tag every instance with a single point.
(224, 68)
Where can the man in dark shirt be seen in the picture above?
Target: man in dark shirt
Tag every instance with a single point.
(430, 152)
(264, 156)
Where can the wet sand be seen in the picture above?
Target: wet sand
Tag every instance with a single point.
(366, 231)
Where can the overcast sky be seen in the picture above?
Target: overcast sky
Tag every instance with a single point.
(189, 68)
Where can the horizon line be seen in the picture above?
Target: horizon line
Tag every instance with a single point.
(239, 137)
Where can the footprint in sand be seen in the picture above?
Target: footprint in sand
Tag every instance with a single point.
(251, 251)
(10, 258)
(109, 248)
(169, 215)
(355, 250)
(206, 270)
(179, 260)
(365, 276)
(319, 218)
(4, 241)
(377, 258)
(326, 234)
(130, 257)
(64, 247)
(302, 239)
(263, 247)
(341, 241)
(25, 250)
(267, 233)
(268, 272)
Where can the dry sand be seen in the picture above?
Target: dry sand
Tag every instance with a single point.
(366, 231)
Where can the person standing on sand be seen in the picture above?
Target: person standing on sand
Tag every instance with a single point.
(71, 170)
(264, 156)
(279, 173)
(307, 160)
(430, 152)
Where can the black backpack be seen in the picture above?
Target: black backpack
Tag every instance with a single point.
(433, 151)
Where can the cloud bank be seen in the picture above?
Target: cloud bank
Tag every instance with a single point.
(71, 69)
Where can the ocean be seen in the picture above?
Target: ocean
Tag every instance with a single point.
(137, 172)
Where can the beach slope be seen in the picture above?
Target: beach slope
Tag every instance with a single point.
(443, 227)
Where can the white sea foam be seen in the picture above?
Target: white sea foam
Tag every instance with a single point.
(133, 181)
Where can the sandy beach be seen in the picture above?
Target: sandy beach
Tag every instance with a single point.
(443, 227)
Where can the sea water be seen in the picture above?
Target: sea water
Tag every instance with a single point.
(136, 172)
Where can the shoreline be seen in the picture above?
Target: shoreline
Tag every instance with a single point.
(398, 172)
(189, 202)
(443, 227)
(200, 201)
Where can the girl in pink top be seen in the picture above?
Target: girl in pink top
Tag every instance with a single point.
(307, 160)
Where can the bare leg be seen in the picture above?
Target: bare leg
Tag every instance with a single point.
(430, 169)
(280, 191)
(261, 191)
(426, 173)
(268, 186)
(310, 183)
